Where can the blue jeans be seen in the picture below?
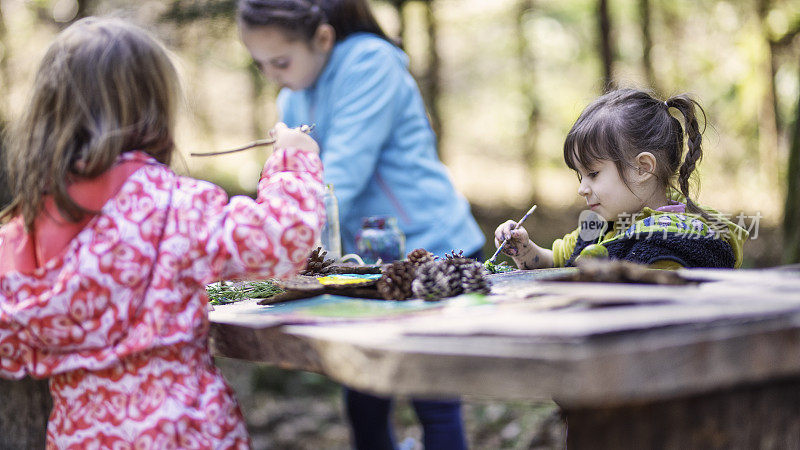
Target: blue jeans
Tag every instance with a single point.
(442, 427)
(372, 430)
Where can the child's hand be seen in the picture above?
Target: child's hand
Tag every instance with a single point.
(286, 137)
(521, 248)
(518, 240)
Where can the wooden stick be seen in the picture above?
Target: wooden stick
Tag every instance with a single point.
(519, 224)
(259, 143)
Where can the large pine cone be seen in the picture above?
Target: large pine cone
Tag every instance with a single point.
(396, 281)
(420, 256)
(453, 274)
(316, 263)
(436, 280)
(460, 263)
(474, 278)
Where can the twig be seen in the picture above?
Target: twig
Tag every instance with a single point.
(259, 143)
(519, 224)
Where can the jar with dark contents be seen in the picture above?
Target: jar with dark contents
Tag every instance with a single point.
(380, 239)
(330, 239)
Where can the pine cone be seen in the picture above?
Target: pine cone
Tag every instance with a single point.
(474, 278)
(460, 263)
(454, 255)
(453, 274)
(395, 283)
(420, 256)
(316, 263)
(436, 280)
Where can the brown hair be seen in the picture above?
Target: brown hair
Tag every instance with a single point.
(104, 87)
(622, 123)
(301, 18)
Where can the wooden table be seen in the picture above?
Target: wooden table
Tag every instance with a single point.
(708, 365)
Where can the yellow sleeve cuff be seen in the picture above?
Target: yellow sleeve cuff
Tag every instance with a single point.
(667, 264)
(563, 248)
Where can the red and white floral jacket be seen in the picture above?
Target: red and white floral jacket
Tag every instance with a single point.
(114, 309)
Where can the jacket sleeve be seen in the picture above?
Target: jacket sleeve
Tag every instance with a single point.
(13, 352)
(563, 248)
(365, 102)
(270, 236)
(666, 264)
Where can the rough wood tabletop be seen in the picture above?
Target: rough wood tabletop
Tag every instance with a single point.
(532, 338)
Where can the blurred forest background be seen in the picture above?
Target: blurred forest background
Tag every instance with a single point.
(504, 80)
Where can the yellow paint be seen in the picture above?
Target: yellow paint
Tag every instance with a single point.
(338, 279)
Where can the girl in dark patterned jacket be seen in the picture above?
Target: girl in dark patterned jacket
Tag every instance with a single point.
(626, 148)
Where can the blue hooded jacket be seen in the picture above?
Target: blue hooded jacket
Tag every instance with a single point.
(378, 149)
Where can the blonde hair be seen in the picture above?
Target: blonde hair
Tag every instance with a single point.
(104, 87)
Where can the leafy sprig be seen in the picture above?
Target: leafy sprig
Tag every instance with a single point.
(226, 292)
(497, 268)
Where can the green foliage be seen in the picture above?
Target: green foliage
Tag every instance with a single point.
(182, 12)
(292, 382)
(497, 268)
(226, 292)
(504, 112)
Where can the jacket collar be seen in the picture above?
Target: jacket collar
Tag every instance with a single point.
(25, 252)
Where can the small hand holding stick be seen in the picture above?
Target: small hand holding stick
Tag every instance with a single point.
(259, 143)
(519, 224)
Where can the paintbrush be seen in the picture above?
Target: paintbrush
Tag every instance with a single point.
(259, 143)
(519, 224)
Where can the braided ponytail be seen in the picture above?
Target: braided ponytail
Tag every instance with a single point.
(694, 139)
(622, 123)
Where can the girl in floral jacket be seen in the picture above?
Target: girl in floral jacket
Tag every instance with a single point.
(106, 252)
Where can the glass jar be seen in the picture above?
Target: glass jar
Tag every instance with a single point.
(331, 240)
(380, 239)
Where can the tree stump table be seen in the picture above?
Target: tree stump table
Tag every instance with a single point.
(24, 409)
(711, 364)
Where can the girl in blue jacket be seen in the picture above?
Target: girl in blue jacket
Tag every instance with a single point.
(339, 71)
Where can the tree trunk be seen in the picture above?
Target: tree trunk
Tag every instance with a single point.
(776, 45)
(5, 195)
(85, 8)
(401, 20)
(791, 217)
(4, 74)
(191, 41)
(24, 409)
(4, 90)
(645, 17)
(431, 86)
(527, 68)
(606, 45)
(258, 125)
(25, 404)
(743, 417)
(767, 112)
(429, 79)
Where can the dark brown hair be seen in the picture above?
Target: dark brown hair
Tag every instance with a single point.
(103, 88)
(301, 18)
(622, 123)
